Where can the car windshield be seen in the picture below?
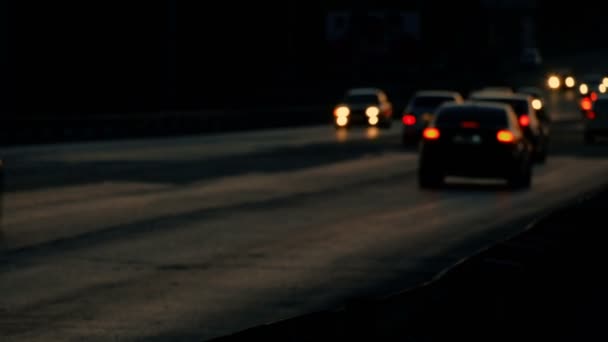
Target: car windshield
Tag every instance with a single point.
(485, 117)
(431, 101)
(361, 98)
(519, 106)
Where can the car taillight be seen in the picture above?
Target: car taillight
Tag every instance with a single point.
(590, 115)
(409, 120)
(593, 96)
(505, 136)
(430, 133)
(524, 120)
(586, 103)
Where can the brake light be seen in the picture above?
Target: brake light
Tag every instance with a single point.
(409, 120)
(469, 124)
(586, 103)
(593, 96)
(590, 115)
(430, 133)
(505, 136)
(524, 120)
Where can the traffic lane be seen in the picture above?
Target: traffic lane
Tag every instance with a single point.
(211, 275)
(172, 162)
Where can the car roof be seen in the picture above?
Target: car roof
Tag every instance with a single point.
(438, 93)
(363, 91)
(603, 97)
(529, 90)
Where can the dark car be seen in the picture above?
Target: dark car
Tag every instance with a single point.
(475, 139)
(538, 103)
(364, 106)
(596, 120)
(420, 110)
(536, 130)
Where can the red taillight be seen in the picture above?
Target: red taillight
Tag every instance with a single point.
(469, 124)
(505, 136)
(590, 115)
(409, 120)
(593, 96)
(524, 120)
(430, 133)
(586, 103)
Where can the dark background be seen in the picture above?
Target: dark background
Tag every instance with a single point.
(130, 56)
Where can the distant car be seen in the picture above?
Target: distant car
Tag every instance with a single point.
(593, 83)
(475, 139)
(535, 130)
(596, 120)
(421, 109)
(561, 79)
(538, 102)
(364, 106)
(530, 58)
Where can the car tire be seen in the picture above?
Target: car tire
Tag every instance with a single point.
(522, 178)
(430, 180)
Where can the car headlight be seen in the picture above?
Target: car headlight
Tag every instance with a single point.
(605, 81)
(583, 89)
(553, 82)
(537, 104)
(372, 111)
(342, 111)
(602, 88)
(570, 82)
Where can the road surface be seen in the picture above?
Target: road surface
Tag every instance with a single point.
(196, 237)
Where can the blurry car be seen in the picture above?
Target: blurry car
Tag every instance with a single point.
(364, 106)
(420, 111)
(475, 139)
(534, 129)
(561, 79)
(530, 58)
(593, 83)
(538, 102)
(596, 120)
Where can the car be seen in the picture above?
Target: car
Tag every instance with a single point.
(475, 139)
(536, 130)
(596, 120)
(593, 83)
(364, 106)
(538, 102)
(561, 79)
(420, 110)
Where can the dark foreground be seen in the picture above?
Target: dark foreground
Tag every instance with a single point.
(544, 284)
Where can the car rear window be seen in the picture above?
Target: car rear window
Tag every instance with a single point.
(485, 117)
(431, 101)
(361, 98)
(519, 106)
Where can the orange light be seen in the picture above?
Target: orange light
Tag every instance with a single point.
(469, 124)
(431, 133)
(586, 103)
(505, 136)
(590, 115)
(524, 120)
(593, 96)
(409, 120)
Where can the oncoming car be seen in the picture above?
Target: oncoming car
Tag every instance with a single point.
(475, 139)
(420, 110)
(364, 106)
(561, 79)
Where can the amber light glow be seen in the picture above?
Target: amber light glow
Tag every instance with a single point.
(431, 133)
(505, 136)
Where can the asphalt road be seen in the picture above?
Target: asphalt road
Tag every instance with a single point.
(196, 237)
